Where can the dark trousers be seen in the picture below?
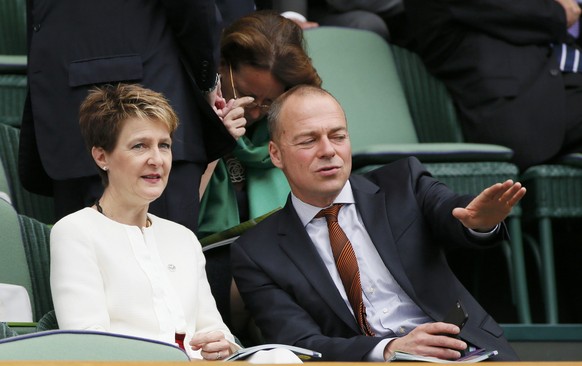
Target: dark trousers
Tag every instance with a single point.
(180, 201)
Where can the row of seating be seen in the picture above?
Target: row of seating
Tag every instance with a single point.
(24, 260)
(554, 190)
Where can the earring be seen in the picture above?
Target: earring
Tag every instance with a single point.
(104, 168)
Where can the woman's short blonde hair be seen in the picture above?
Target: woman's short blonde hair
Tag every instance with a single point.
(106, 108)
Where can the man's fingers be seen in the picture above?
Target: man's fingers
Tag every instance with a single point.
(431, 339)
(513, 194)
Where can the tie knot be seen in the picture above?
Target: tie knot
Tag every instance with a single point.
(330, 213)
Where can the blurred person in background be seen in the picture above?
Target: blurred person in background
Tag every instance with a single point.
(262, 55)
(511, 69)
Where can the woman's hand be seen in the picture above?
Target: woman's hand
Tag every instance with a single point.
(234, 116)
(213, 345)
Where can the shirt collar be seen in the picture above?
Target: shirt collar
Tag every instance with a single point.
(307, 212)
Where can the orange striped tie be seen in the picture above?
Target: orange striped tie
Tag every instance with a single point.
(347, 265)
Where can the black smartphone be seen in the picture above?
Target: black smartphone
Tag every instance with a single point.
(457, 316)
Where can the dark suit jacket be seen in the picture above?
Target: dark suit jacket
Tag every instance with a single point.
(407, 213)
(495, 57)
(157, 43)
(231, 10)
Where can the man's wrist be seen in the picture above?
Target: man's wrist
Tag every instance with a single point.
(484, 233)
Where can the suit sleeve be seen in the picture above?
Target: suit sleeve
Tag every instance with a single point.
(196, 27)
(436, 202)
(521, 22)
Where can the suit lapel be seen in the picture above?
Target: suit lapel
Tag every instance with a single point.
(371, 203)
(297, 244)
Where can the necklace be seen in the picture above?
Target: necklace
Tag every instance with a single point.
(100, 210)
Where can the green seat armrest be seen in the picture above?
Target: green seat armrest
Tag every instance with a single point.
(23, 327)
(431, 153)
(13, 64)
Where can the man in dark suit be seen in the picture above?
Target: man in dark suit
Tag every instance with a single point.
(398, 219)
(170, 46)
(497, 59)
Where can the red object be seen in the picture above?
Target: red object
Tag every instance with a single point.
(180, 340)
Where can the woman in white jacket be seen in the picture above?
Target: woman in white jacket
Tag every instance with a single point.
(117, 268)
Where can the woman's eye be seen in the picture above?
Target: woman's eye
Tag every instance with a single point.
(138, 146)
(165, 145)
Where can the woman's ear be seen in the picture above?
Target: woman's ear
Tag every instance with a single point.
(100, 157)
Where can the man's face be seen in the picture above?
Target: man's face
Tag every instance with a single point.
(312, 147)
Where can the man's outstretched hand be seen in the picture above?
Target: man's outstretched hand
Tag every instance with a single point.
(491, 206)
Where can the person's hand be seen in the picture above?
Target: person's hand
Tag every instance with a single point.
(491, 206)
(306, 24)
(215, 99)
(213, 345)
(572, 10)
(221, 107)
(430, 339)
(234, 116)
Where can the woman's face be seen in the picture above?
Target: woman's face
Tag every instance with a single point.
(139, 165)
(252, 82)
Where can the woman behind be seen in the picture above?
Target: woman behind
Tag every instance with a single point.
(262, 56)
(117, 268)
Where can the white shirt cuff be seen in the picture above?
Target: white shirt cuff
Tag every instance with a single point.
(484, 235)
(377, 353)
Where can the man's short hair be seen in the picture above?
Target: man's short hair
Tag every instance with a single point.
(274, 114)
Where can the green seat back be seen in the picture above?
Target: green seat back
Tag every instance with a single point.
(13, 27)
(4, 185)
(87, 346)
(36, 240)
(13, 264)
(357, 67)
(431, 106)
(12, 97)
(25, 202)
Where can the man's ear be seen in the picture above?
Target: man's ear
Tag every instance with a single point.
(275, 154)
(99, 156)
